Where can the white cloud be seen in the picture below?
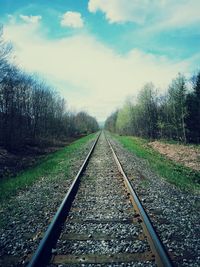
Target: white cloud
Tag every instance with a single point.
(87, 72)
(31, 19)
(182, 15)
(159, 14)
(120, 10)
(72, 19)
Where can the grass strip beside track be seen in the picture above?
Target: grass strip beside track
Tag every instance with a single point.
(51, 165)
(175, 173)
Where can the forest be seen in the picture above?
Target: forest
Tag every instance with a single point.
(174, 115)
(31, 111)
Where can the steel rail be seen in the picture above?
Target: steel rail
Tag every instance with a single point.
(43, 253)
(161, 256)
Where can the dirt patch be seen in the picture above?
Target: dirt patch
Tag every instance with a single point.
(11, 163)
(186, 155)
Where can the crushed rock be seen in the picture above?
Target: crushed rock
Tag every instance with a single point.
(174, 213)
(25, 217)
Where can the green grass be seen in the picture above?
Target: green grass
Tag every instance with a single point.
(50, 167)
(177, 174)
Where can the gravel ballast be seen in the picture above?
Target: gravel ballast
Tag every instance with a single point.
(101, 219)
(102, 224)
(174, 213)
(26, 216)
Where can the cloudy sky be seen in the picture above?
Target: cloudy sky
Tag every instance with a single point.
(99, 52)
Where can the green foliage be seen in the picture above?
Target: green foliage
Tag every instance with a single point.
(147, 114)
(174, 115)
(193, 115)
(176, 108)
(84, 123)
(51, 166)
(123, 122)
(175, 173)
(110, 123)
(138, 119)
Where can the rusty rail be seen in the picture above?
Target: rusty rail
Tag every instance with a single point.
(161, 256)
(43, 252)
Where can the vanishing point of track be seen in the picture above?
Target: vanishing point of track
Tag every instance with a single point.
(101, 221)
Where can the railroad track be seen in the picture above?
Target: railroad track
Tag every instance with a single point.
(101, 221)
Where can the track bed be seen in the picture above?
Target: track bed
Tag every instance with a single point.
(102, 227)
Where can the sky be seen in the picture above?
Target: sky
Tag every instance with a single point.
(97, 53)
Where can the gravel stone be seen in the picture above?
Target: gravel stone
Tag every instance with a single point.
(26, 216)
(102, 247)
(174, 213)
(130, 264)
(101, 220)
(124, 230)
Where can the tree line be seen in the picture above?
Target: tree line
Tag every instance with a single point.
(32, 112)
(174, 115)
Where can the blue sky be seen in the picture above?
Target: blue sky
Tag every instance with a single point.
(99, 52)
